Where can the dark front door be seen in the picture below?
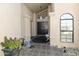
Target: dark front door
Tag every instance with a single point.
(42, 28)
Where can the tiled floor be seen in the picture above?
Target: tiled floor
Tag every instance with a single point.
(46, 50)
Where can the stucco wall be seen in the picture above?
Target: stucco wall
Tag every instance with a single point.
(26, 22)
(10, 21)
(34, 25)
(59, 9)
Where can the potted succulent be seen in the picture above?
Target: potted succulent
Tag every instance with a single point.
(10, 45)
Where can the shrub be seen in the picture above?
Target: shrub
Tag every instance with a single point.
(11, 43)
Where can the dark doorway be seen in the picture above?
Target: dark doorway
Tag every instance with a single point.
(42, 28)
(42, 31)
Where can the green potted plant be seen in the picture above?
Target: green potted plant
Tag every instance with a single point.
(10, 45)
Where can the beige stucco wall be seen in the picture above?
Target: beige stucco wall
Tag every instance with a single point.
(34, 25)
(59, 9)
(30, 23)
(10, 21)
(26, 22)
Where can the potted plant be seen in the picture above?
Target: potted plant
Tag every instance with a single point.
(10, 45)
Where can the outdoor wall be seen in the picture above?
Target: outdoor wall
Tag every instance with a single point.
(34, 25)
(26, 22)
(59, 9)
(10, 21)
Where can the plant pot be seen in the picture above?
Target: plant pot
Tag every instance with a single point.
(7, 52)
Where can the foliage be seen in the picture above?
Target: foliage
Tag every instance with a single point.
(11, 43)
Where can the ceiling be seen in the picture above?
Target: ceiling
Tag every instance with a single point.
(37, 7)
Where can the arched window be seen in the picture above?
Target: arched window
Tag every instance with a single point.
(67, 28)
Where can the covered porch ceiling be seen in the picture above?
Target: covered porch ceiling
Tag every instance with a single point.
(37, 7)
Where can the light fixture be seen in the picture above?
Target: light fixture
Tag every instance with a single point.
(41, 18)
